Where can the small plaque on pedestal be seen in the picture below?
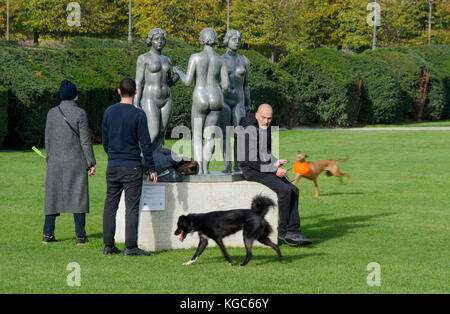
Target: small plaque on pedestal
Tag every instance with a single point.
(153, 197)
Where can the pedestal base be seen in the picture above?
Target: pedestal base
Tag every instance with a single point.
(156, 228)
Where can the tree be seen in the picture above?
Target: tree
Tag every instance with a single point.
(269, 26)
(2, 17)
(440, 33)
(342, 23)
(104, 18)
(402, 21)
(42, 17)
(179, 18)
(320, 23)
(99, 18)
(353, 31)
(263, 23)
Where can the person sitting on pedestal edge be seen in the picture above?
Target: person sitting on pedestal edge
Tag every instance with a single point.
(259, 165)
(125, 134)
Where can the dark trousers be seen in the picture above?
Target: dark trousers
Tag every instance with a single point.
(287, 193)
(80, 223)
(118, 179)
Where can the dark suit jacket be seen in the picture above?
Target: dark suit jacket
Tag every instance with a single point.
(257, 150)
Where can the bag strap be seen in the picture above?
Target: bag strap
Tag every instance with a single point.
(65, 119)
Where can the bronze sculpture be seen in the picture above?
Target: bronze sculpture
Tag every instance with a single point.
(155, 97)
(211, 78)
(237, 97)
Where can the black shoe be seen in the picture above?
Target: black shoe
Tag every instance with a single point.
(110, 250)
(282, 238)
(48, 239)
(296, 239)
(135, 252)
(81, 241)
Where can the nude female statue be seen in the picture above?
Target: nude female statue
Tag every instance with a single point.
(155, 98)
(208, 68)
(237, 97)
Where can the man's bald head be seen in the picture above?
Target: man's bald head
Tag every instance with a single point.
(264, 107)
(264, 116)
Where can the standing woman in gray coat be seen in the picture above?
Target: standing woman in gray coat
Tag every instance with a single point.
(70, 158)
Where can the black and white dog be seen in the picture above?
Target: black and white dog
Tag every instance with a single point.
(219, 224)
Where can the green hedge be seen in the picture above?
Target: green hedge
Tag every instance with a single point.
(3, 113)
(33, 76)
(79, 42)
(406, 68)
(273, 85)
(326, 87)
(381, 86)
(321, 86)
(381, 97)
(438, 56)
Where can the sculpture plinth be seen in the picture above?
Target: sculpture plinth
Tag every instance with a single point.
(156, 228)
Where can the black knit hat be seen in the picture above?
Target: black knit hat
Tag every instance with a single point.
(67, 90)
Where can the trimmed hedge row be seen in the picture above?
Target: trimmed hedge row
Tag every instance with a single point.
(438, 56)
(326, 87)
(322, 86)
(3, 113)
(381, 86)
(33, 76)
(381, 96)
(421, 90)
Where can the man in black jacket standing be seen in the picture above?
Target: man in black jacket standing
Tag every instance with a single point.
(125, 134)
(261, 166)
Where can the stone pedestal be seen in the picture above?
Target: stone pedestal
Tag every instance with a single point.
(156, 228)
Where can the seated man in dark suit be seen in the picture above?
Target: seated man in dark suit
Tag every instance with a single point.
(261, 166)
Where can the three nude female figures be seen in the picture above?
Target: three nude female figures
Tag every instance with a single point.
(221, 95)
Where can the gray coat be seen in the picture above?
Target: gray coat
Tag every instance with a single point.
(68, 160)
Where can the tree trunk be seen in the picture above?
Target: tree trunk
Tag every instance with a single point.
(61, 36)
(359, 83)
(424, 88)
(36, 38)
(272, 54)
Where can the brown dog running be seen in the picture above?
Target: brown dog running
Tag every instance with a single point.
(317, 167)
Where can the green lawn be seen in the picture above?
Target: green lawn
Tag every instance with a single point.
(441, 123)
(396, 214)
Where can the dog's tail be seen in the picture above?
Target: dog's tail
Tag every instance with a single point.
(261, 204)
(342, 160)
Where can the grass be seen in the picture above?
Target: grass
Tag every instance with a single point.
(441, 123)
(395, 214)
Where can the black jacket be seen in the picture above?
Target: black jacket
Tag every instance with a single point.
(257, 146)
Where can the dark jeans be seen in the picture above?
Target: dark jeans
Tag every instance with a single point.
(287, 193)
(118, 179)
(80, 223)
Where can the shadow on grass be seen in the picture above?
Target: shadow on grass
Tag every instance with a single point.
(286, 258)
(256, 260)
(341, 193)
(97, 235)
(326, 229)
